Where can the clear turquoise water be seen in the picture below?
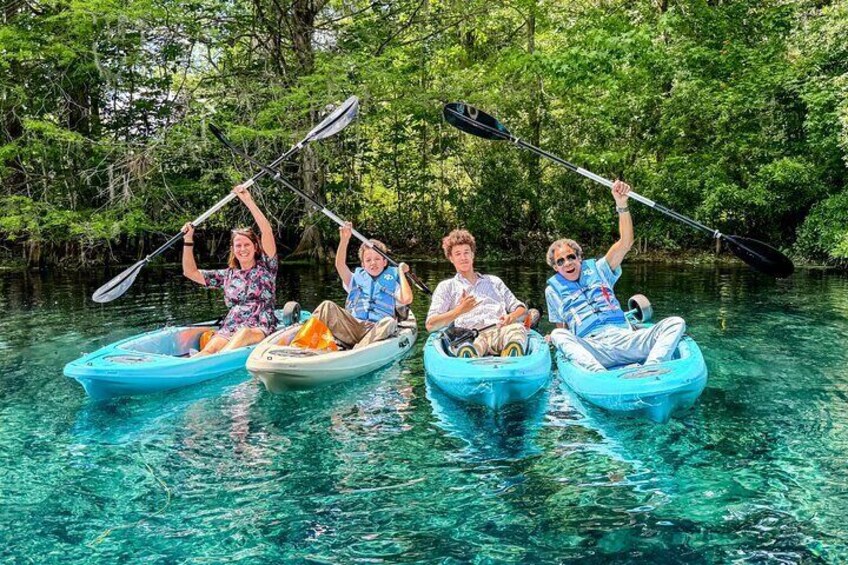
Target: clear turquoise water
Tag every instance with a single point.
(384, 470)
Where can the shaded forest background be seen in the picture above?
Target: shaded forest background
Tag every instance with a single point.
(733, 112)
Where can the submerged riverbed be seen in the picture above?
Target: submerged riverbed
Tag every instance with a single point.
(383, 469)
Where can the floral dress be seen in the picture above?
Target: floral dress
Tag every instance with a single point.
(249, 294)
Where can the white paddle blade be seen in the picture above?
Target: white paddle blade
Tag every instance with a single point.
(336, 121)
(116, 287)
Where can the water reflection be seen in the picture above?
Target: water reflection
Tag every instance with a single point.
(487, 434)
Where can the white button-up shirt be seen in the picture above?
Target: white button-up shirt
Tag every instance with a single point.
(494, 300)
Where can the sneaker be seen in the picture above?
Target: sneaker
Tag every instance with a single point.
(466, 351)
(512, 349)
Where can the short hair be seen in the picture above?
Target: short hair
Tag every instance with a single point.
(458, 237)
(232, 262)
(561, 243)
(374, 242)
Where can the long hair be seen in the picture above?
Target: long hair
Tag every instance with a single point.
(232, 262)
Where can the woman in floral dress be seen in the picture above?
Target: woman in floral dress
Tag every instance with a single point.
(249, 283)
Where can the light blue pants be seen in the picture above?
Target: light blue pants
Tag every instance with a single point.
(612, 346)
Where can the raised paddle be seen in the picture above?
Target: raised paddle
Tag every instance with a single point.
(757, 254)
(329, 126)
(277, 176)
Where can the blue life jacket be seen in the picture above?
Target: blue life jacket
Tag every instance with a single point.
(372, 299)
(588, 303)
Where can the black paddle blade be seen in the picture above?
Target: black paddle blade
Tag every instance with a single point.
(761, 256)
(216, 131)
(116, 287)
(336, 121)
(416, 280)
(476, 122)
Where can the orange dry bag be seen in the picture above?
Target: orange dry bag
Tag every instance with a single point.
(315, 335)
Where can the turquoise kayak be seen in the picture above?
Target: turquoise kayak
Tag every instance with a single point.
(489, 381)
(155, 361)
(509, 433)
(655, 391)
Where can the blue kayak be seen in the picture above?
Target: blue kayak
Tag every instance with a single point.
(489, 381)
(655, 391)
(153, 362)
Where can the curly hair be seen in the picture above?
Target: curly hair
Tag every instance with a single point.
(562, 243)
(458, 237)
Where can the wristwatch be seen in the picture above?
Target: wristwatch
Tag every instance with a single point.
(622, 209)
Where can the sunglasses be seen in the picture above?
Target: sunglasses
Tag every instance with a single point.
(570, 257)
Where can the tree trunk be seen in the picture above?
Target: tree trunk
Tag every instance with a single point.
(534, 167)
(302, 24)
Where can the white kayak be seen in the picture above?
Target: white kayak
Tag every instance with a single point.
(281, 367)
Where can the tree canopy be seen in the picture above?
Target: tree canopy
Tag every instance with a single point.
(735, 113)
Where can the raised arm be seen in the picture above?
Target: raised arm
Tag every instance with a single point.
(269, 244)
(341, 254)
(619, 249)
(190, 269)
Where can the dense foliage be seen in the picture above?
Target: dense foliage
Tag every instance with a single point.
(733, 112)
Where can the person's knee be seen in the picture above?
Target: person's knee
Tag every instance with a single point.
(677, 323)
(562, 336)
(322, 310)
(215, 345)
(246, 336)
(388, 325)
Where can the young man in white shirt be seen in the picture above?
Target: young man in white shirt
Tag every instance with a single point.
(474, 301)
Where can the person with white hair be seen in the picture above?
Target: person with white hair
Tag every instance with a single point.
(592, 329)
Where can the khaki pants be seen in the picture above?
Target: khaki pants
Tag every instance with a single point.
(491, 342)
(351, 331)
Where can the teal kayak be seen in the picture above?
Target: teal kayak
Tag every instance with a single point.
(655, 391)
(489, 381)
(155, 361)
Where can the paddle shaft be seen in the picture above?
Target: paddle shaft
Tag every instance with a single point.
(277, 176)
(505, 135)
(224, 201)
(477, 332)
(608, 183)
